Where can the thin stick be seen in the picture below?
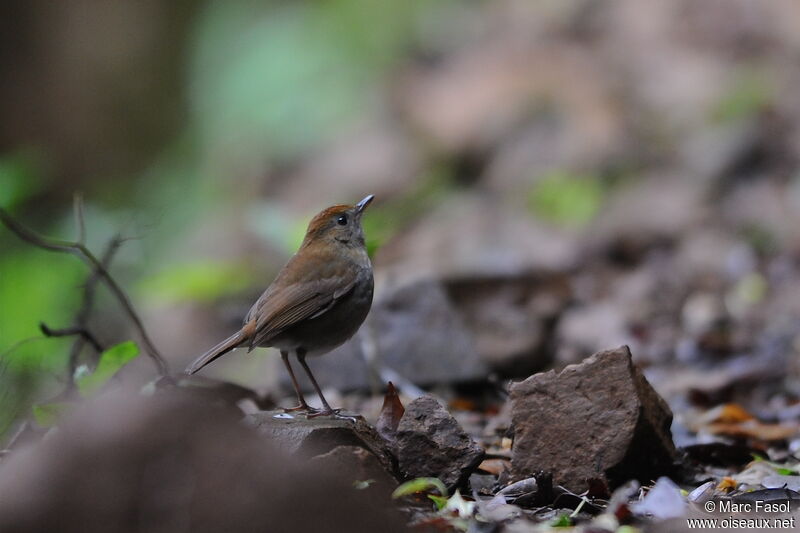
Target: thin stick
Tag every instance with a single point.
(78, 249)
(82, 333)
(82, 318)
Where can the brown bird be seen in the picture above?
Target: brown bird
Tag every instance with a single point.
(318, 300)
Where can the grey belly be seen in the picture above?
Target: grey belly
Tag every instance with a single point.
(329, 330)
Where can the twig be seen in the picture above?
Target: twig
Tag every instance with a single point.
(82, 318)
(80, 250)
(82, 333)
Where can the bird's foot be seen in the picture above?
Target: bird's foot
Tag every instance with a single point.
(302, 408)
(335, 414)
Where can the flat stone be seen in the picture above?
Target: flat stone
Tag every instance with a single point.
(308, 437)
(597, 419)
(431, 443)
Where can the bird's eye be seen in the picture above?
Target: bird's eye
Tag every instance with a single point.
(342, 220)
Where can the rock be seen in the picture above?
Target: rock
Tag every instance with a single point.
(598, 419)
(360, 467)
(172, 462)
(512, 318)
(420, 335)
(306, 438)
(430, 443)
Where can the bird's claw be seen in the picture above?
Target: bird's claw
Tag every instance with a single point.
(335, 414)
(300, 409)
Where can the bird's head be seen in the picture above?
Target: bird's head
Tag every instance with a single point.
(339, 224)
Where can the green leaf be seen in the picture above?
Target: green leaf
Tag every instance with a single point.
(563, 520)
(111, 361)
(439, 501)
(420, 484)
(47, 414)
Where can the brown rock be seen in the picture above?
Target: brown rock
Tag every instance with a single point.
(431, 443)
(306, 438)
(359, 467)
(598, 419)
(419, 334)
(511, 318)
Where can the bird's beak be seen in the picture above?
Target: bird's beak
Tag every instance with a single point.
(360, 206)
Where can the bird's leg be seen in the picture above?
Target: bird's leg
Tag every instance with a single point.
(303, 406)
(326, 408)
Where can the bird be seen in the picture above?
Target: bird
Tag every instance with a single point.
(317, 301)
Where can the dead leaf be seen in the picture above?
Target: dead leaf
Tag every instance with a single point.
(463, 404)
(753, 429)
(391, 413)
(733, 420)
(729, 413)
(728, 484)
(494, 466)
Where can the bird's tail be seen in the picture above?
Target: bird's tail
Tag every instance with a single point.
(217, 351)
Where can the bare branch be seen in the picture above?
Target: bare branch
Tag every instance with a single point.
(83, 333)
(78, 249)
(82, 318)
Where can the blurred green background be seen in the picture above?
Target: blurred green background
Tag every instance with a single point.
(209, 132)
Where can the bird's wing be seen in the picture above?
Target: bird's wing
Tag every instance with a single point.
(283, 306)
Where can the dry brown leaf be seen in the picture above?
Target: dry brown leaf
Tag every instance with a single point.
(495, 466)
(391, 413)
(463, 404)
(729, 413)
(728, 484)
(753, 429)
